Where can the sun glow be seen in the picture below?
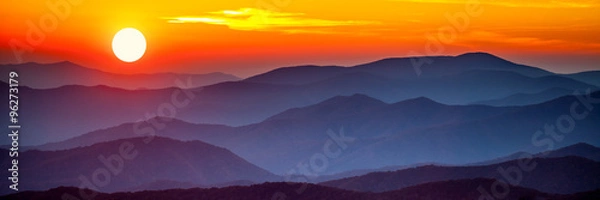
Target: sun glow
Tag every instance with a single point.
(129, 45)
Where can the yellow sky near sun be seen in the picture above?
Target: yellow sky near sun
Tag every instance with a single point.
(281, 32)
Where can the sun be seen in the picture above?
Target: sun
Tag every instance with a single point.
(129, 45)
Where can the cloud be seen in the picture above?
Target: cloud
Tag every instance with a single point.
(264, 20)
(519, 3)
(490, 37)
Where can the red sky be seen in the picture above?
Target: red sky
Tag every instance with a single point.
(246, 37)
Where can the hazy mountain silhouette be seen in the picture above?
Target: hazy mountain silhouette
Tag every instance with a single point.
(359, 105)
(393, 116)
(173, 128)
(461, 88)
(144, 162)
(454, 80)
(65, 112)
(163, 185)
(307, 85)
(464, 189)
(404, 133)
(333, 108)
(565, 175)
(59, 74)
(583, 150)
(360, 172)
(590, 77)
(342, 109)
(298, 133)
(448, 190)
(478, 85)
(504, 131)
(302, 75)
(527, 99)
(400, 68)
(479, 139)
(436, 66)
(84, 109)
(168, 184)
(578, 150)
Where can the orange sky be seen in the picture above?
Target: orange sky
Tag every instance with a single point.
(245, 37)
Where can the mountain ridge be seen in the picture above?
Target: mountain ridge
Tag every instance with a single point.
(580, 180)
(133, 161)
(62, 73)
(396, 132)
(449, 190)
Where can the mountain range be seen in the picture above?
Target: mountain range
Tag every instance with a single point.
(536, 176)
(135, 162)
(522, 99)
(381, 130)
(464, 80)
(403, 133)
(53, 75)
(138, 164)
(449, 190)
(583, 150)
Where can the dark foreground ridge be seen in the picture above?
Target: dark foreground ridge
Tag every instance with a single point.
(448, 190)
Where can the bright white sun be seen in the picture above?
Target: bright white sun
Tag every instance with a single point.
(129, 44)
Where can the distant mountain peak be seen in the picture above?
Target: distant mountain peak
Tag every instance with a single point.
(352, 99)
(66, 62)
(583, 144)
(418, 101)
(306, 67)
(543, 179)
(481, 56)
(55, 74)
(194, 161)
(296, 75)
(478, 53)
(580, 149)
(335, 106)
(422, 99)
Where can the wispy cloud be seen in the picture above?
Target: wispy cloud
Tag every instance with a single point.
(526, 41)
(265, 20)
(488, 36)
(520, 3)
